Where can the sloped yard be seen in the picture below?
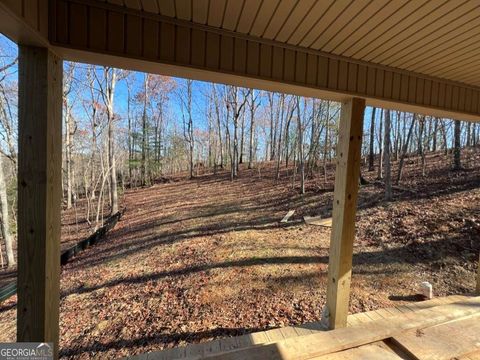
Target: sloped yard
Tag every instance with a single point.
(192, 260)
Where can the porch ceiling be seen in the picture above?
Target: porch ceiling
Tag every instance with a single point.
(437, 38)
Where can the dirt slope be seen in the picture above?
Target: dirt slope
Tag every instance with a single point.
(192, 260)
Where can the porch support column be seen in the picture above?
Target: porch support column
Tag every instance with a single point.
(347, 176)
(39, 194)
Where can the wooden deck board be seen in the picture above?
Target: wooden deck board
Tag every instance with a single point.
(288, 331)
(373, 315)
(198, 349)
(384, 313)
(175, 353)
(328, 342)
(403, 309)
(392, 311)
(275, 335)
(212, 346)
(302, 331)
(353, 321)
(366, 352)
(362, 317)
(445, 341)
(228, 344)
(314, 326)
(258, 337)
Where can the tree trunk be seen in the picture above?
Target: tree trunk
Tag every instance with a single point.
(219, 125)
(287, 141)
(327, 143)
(388, 175)
(235, 144)
(444, 135)
(421, 129)
(398, 134)
(111, 142)
(272, 126)
(380, 146)
(252, 129)
(371, 157)
(279, 147)
(242, 138)
(457, 165)
(68, 154)
(474, 135)
(404, 150)
(468, 143)
(212, 153)
(69, 131)
(5, 222)
(129, 142)
(300, 148)
(188, 124)
(422, 143)
(144, 134)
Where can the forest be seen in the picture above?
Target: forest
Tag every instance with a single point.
(126, 129)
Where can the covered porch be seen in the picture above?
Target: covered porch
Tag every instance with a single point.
(329, 50)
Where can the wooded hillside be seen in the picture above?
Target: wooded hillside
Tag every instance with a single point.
(125, 129)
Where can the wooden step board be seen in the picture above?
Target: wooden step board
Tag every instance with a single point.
(446, 341)
(268, 336)
(317, 345)
(377, 351)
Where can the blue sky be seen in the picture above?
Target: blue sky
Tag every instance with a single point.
(10, 49)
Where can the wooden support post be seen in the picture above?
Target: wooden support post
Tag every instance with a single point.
(39, 194)
(347, 176)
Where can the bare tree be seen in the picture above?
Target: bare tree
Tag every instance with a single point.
(107, 91)
(387, 149)
(5, 221)
(380, 146)
(235, 106)
(405, 149)
(422, 144)
(300, 146)
(457, 165)
(129, 79)
(279, 146)
(435, 132)
(188, 134)
(7, 122)
(252, 107)
(371, 157)
(216, 102)
(144, 165)
(70, 128)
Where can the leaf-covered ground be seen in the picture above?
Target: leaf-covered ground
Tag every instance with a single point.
(74, 229)
(192, 260)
